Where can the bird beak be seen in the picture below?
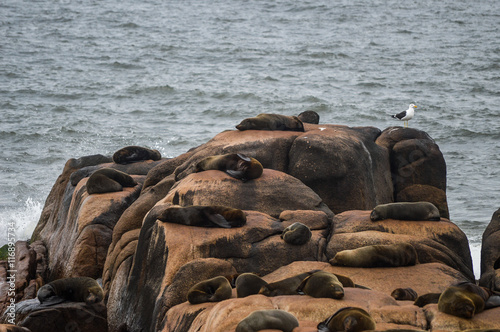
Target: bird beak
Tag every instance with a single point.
(415, 106)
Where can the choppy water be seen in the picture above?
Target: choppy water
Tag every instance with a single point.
(79, 77)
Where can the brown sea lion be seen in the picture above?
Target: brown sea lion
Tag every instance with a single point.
(404, 294)
(199, 215)
(296, 234)
(390, 255)
(322, 284)
(267, 121)
(406, 211)
(77, 289)
(249, 284)
(349, 319)
(286, 286)
(236, 165)
(132, 154)
(309, 117)
(268, 319)
(106, 180)
(463, 300)
(212, 290)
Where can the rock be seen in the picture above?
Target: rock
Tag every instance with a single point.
(425, 193)
(415, 159)
(12, 328)
(488, 319)
(490, 254)
(272, 193)
(61, 317)
(164, 246)
(434, 241)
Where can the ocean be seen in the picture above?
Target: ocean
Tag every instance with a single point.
(81, 77)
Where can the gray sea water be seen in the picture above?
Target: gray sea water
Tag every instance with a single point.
(80, 77)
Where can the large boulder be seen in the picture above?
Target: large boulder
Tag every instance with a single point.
(435, 241)
(490, 254)
(143, 296)
(415, 159)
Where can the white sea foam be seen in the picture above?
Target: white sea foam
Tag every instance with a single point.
(24, 219)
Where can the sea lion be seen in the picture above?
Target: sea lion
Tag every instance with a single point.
(286, 286)
(426, 299)
(77, 289)
(322, 284)
(249, 284)
(212, 290)
(309, 117)
(199, 215)
(463, 300)
(406, 211)
(106, 180)
(296, 234)
(236, 165)
(265, 121)
(268, 319)
(349, 319)
(132, 154)
(390, 255)
(404, 294)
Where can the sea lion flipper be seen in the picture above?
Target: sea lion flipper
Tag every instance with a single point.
(219, 220)
(302, 284)
(235, 174)
(53, 300)
(243, 157)
(492, 302)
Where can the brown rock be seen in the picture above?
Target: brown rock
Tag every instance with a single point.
(434, 241)
(488, 319)
(490, 254)
(271, 193)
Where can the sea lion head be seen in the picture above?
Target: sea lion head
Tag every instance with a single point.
(375, 215)
(464, 308)
(247, 124)
(45, 292)
(95, 295)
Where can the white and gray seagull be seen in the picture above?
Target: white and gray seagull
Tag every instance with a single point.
(406, 115)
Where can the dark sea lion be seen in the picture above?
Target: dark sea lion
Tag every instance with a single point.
(286, 286)
(322, 284)
(426, 299)
(13, 328)
(296, 234)
(404, 294)
(199, 215)
(349, 319)
(132, 154)
(390, 255)
(249, 284)
(463, 300)
(266, 121)
(106, 180)
(236, 165)
(418, 211)
(78, 289)
(212, 290)
(268, 319)
(309, 117)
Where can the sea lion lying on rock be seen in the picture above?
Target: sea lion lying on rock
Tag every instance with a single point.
(406, 211)
(78, 289)
(404, 294)
(199, 215)
(249, 284)
(106, 180)
(348, 319)
(268, 319)
(265, 121)
(212, 290)
(236, 165)
(132, 154)
(322, 284)
(296, 234)
(288, 286)
(389, 255)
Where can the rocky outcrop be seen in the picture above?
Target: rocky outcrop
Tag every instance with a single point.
(148, 265)
(440, 241)
(490, 254)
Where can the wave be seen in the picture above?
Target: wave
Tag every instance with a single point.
(24, 219)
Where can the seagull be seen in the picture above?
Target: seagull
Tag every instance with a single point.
(406, 115)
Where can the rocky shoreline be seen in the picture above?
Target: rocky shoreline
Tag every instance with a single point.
(328, 177)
